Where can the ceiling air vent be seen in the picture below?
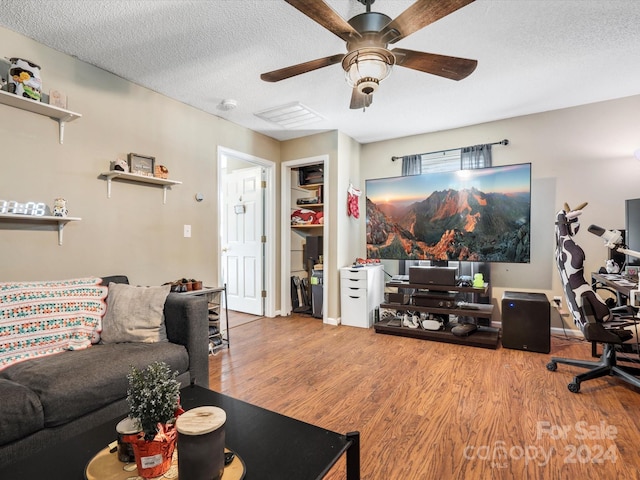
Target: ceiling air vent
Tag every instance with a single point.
(291, 115)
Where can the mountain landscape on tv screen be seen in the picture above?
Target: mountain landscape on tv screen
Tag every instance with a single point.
(464, 225)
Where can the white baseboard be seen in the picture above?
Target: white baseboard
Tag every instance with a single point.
(569, 332)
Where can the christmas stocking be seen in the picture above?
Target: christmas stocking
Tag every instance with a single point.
(352, 201)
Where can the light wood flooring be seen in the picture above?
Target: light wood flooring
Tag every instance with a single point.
(430, 410)
(238, 318)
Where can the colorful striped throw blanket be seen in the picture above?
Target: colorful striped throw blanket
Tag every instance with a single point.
(43, 318)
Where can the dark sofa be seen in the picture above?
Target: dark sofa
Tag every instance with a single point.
(52, 398)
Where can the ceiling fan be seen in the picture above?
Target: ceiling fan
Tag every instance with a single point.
(368, 61)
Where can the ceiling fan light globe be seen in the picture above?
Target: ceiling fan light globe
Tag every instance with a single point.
(368, 66)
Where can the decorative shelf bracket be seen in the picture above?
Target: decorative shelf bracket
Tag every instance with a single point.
(61, 131)
(61, 225)
(61, 123)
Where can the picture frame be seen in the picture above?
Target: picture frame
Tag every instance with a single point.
(57, 99)
(631, 271)
(141, 164)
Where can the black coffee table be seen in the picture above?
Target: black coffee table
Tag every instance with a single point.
(272, 446)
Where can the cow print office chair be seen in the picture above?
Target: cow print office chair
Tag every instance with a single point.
(590, 313)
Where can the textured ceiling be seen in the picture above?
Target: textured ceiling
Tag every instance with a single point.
(533, 56)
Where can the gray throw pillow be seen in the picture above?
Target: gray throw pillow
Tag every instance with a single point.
(134, 314)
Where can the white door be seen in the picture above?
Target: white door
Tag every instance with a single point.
(242, 246)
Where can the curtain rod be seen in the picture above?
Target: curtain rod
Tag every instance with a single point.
(501, 142)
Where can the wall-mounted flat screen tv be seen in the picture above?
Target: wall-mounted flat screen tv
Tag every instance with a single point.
(481, 215)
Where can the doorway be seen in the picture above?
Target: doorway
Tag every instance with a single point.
(287, 169)
(246, 187)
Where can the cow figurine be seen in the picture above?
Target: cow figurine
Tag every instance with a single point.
(120, 165)
(60, 207)
(612, 266)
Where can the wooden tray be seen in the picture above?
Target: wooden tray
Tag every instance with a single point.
(106, 466)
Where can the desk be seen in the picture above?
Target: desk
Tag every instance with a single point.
(615, 283)
(271, 445)
(621, 287)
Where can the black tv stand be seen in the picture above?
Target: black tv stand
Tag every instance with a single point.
(485, 336)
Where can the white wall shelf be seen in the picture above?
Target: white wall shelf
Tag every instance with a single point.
(61, 115)
(61, 221)
(132, 177)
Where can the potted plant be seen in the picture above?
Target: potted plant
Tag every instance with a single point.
(154, 401)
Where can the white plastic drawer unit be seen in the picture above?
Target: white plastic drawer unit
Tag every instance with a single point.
(354, 292)
(361, 291)
(354, 312)
(354, 274)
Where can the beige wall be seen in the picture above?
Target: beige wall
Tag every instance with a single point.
(347, 170)
(132, 232)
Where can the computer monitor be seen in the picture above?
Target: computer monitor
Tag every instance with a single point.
(632, 226)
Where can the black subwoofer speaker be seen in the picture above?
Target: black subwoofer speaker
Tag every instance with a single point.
(526, 321)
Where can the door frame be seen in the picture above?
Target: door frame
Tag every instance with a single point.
(285, 239)
(269, 219)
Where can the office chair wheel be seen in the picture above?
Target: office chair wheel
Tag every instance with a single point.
(552, 366)
(574, 387)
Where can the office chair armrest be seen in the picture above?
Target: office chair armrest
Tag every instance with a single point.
(614, 334)
(622, 321)
(615, 324)
(624, 310)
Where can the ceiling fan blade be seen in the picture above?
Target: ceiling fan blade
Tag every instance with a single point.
(419, 15)
(320, 12)
(360, 100)
(455, 68)
(293, 70)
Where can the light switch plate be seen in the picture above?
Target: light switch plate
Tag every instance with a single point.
(187, 231)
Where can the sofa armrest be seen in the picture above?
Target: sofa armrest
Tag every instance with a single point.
(186, 319)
